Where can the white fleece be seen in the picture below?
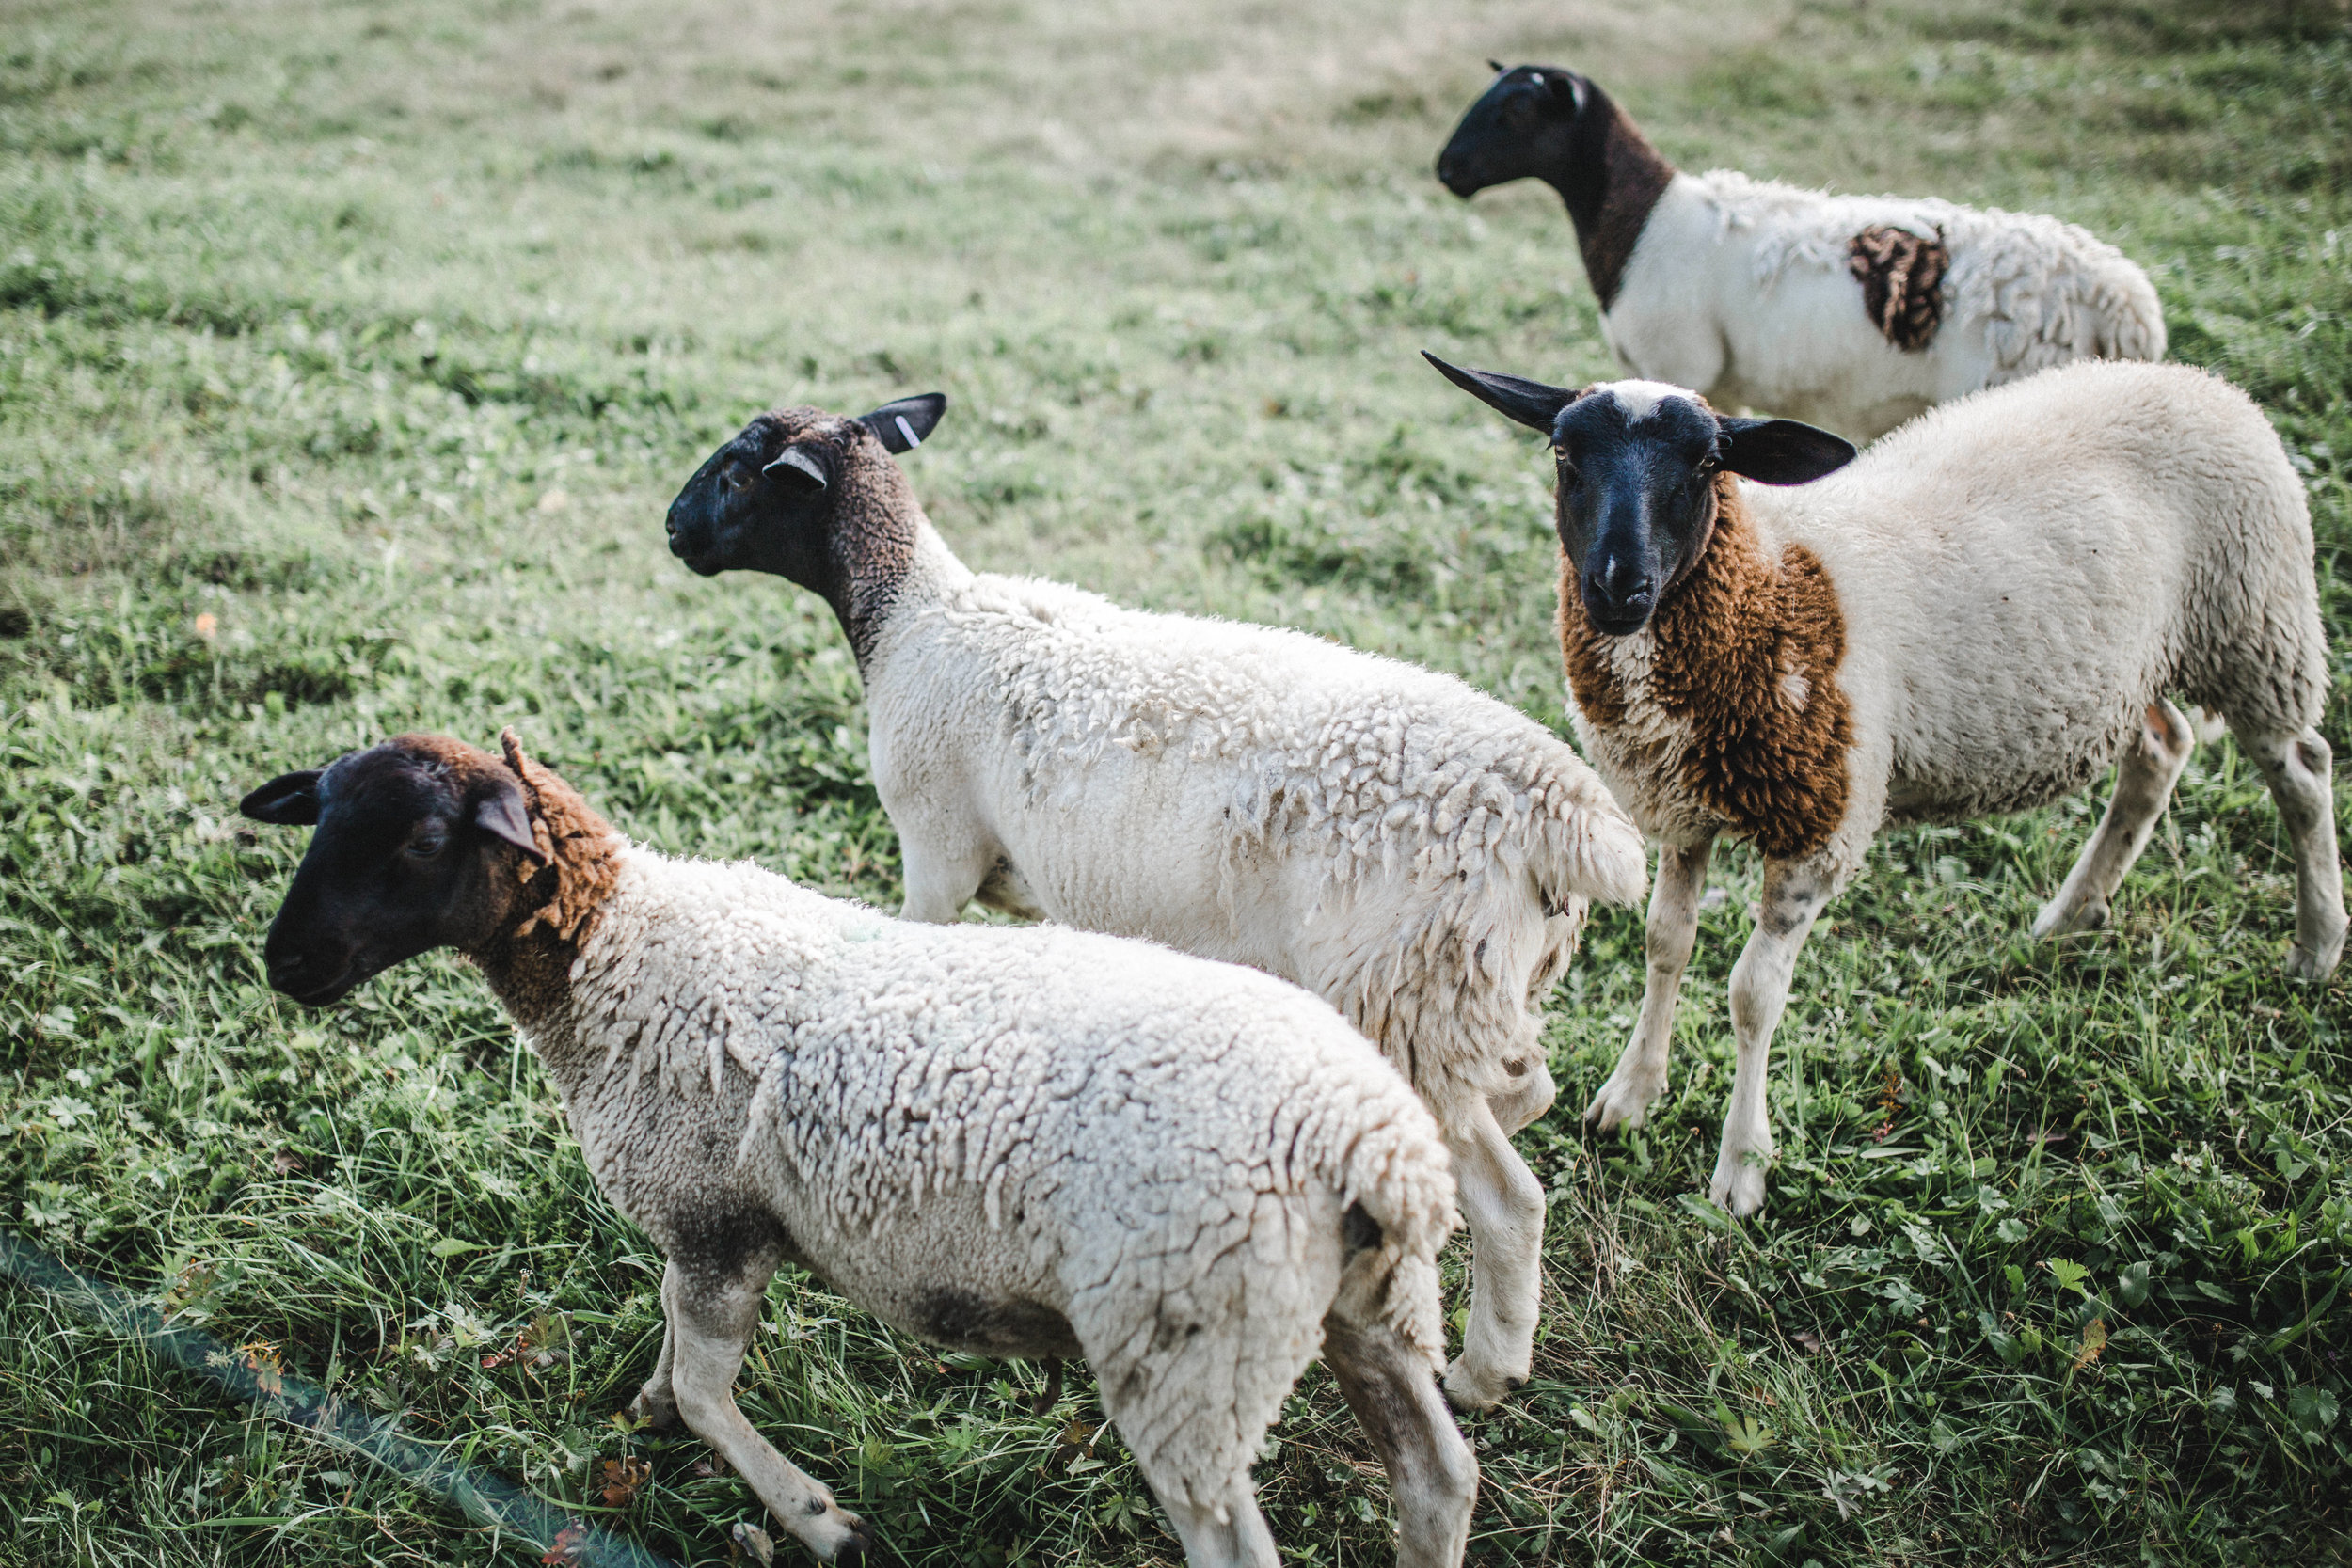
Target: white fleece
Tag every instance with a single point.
(967, 1129)
(1411, 850)
(1738, 288)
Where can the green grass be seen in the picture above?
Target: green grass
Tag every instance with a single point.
(374, 343)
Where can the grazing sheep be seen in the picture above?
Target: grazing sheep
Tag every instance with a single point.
(1976, 616)
(1854, 312)
(1028, 1143)
(1409, 849)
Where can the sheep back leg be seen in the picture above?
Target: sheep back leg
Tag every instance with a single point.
(656, 1405)
(1503, 1204)
(2298, 767)
(1432, 1473)
(2143, 782)
(1532, 1090)
(1640, 1078)
(711, 1322)
(1793, 896)
(1228, 1534)
(939, 883)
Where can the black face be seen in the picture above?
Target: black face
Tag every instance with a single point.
(1636, 465)
(765, 502)
(1523, 124)
(402, 862)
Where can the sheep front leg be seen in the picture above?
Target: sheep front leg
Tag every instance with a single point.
(2143, 782)
(939, 883)
(1673, 925)
(1794, 894)
(711, 1322)
(1503, 1204)
(1432, 1473)
(656, 1405)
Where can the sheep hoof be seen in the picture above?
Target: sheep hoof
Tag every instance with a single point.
(1738, 1190)
(2304, 964)
(653, 1412)
(1466, 1389)
(2058, 920)
(1621, 1104)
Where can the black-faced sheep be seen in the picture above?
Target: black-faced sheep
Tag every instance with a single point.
(1027, 1143)
(1406, 847)
(1977, 615)
(1854, 312)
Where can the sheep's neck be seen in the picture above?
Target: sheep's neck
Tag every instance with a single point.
(1744, 655)
(1610, 180)
(884, 553)
(529, 960)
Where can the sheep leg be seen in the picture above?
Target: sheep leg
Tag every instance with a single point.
(1794, 894)
(940, 883)
(1530, 1095)
(1432, 1473)
(711, 1322)
(655, 1405)
(1239, 1539)
(1673, 927)
(2297, 769)
(2143, 782)
(1504, 1205)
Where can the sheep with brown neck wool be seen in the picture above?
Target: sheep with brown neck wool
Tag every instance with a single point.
(1976, 616)
(1016, 1143)
(1852, 311)
(1407, 847)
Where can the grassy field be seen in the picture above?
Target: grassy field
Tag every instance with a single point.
(348, 356)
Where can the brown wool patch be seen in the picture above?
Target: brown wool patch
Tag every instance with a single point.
(1635, 175)
(1901, 276)
(1746, 651)
(581, 846)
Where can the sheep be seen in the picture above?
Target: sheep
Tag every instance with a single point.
(1413, 851)
(1976, 616)
(1013, 1142)
(1850, 311)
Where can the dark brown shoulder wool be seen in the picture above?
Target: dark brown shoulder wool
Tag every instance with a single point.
(1746, 650)
(1901, 276)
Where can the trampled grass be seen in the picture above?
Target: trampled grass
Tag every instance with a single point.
(348, 356)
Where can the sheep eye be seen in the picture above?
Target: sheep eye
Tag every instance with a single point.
(738, 478)
(425, 845)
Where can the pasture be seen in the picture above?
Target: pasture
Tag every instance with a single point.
(348, 359)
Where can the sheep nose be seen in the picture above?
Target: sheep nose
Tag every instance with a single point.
(1624, 582)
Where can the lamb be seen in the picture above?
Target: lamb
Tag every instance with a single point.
(1976, 616)
(1852, 312)
(1409, 849)
(1019, 1143)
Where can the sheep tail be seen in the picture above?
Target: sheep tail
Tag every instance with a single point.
(1399, 1187)
(1591, 848)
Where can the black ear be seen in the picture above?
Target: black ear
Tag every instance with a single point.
(903, 425)
(1779, 451)
(1499, 67)
(1530, 403)
(503, 815)
(797, 469)
(290, 799)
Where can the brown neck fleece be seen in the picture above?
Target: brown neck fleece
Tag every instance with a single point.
(529, 962)
(1611, 181)
(1745, 650)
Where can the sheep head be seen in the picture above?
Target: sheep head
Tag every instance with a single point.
(771, 500)
(1525, 123)
(422, 842)
(1637, 494)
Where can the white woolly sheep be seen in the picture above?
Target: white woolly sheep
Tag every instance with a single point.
(1852, 311)
(1976, 616)
(1026, 1143)
(1410, 849)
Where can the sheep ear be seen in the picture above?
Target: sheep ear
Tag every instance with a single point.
(1779, 451)
(1530, 403)
(501, 815)
(290, 800)
(795, 466)
(903, 425)
(1499, 67)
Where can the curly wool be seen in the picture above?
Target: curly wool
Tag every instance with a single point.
(962, 1125)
